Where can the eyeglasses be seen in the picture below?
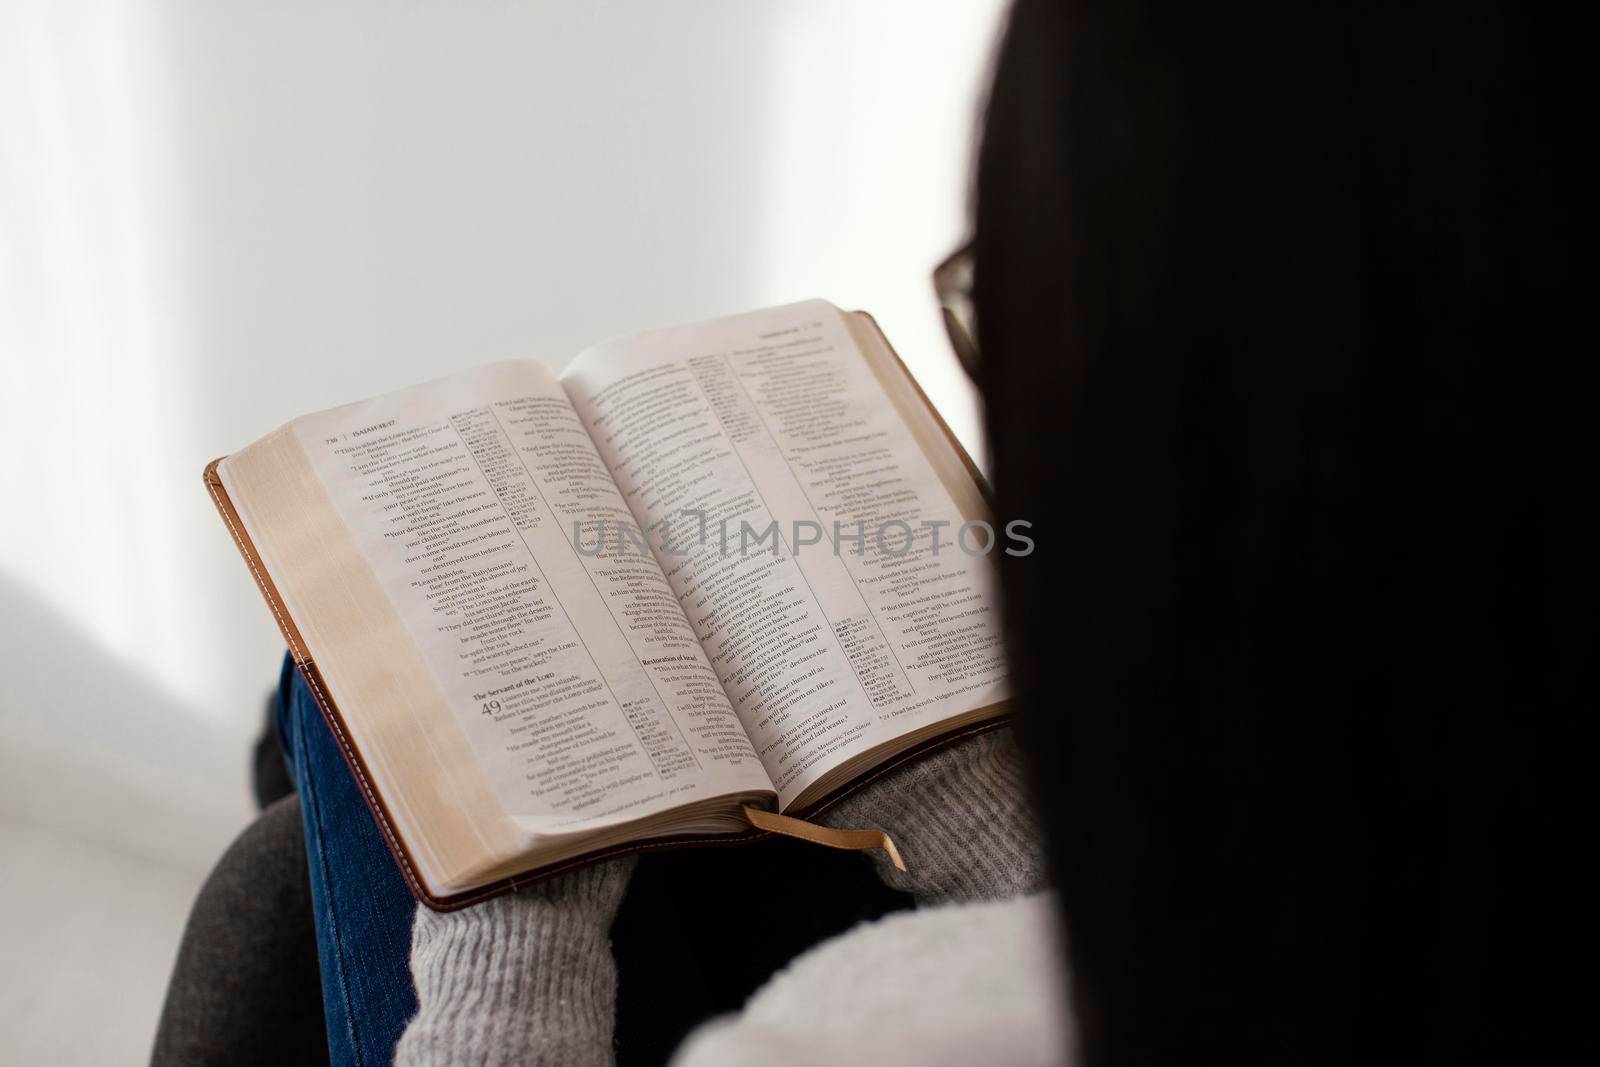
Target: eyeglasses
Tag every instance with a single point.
(952, 281)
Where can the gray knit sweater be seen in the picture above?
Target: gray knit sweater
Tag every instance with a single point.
(528, 978)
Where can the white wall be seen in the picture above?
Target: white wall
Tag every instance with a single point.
(217, 215)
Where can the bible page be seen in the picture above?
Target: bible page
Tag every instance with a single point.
(803, 528)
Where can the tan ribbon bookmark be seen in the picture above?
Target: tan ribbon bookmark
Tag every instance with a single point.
(854, 840)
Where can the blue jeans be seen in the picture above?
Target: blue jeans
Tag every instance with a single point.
(362, 907)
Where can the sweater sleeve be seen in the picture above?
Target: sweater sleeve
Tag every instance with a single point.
(528, 978)
(961, 819)
(525, 978)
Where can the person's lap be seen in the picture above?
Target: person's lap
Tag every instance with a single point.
(676, 962)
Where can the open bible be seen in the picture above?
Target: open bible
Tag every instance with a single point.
(706, 574)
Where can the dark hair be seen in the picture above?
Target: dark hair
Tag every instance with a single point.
(1284, 358)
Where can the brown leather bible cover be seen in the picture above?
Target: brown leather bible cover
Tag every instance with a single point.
(307, 666)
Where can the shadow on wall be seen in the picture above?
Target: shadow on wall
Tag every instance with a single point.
(115, 799)
(91, 746)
